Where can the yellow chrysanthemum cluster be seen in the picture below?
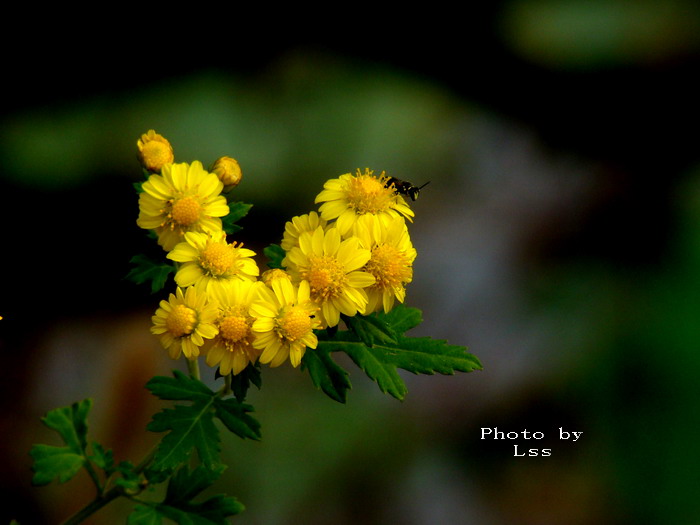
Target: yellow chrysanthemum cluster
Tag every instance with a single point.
(355, 257)
(221, 309)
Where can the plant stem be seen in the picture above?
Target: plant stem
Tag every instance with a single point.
(193, 367)
(94, 506)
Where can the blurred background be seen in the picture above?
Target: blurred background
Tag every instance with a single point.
(558, 239)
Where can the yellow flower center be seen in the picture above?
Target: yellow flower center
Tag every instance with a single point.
(234, 328)
(185, 211)
(181, 320)
(367, 194)
(294, 323)
(217, 258)
(389, 266)
(326, 276)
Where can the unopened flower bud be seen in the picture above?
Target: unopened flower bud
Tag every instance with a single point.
(228, 171)
(154, 151)
(273, 274)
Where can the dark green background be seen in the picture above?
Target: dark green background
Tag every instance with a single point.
(559, 239)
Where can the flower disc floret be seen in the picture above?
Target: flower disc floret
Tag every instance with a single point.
(286, 319)
(351, 196)
(210, 260)
(391, 262)
(232, 349)
(185, 321)
(331, 267)
(183, 198)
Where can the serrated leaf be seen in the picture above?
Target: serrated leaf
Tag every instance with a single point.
(146, 270)
(237, 210)
(71, 423)
(54, 463)
(418, 355)
(240, 383)
(326, 374)
(130, 480)
(371, 330)
(179, 387)
(234, 416)
(186, 485)
(144, 515)
(188, 427)
(275, 254)
(401, 318)
(102, 458)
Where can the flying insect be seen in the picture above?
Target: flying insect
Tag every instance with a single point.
(404, 187)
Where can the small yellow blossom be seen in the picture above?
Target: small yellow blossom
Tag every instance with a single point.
(275, 273)
(351, 196)
(285, 322)
(154, 151)
(298, 225)
(184, 198)
(209, 260)
(391, 262)
(229, 172)
(184, 321)
(232, 348)
(332, 269)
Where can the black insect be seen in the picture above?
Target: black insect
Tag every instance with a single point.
(404, 187)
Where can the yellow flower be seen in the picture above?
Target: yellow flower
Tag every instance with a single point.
(391, 262)
(154, 151)
(229, 172)
(298, 225)
(285, 322)
(275, 273)
(209, 260)
(350, 196)
(184, 198)
(184, 321)
(331, 267)
(232, 348)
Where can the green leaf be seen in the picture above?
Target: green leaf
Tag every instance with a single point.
(237, 210)
(370, 330)
(275, 254)
(102, 458)
(184, 486)
(130, 479)
(54, 462)
(71, 423)
(179, 387)
(188, 427)
(401, 318)
(376, 345)
(326, 374)
(146, 270)
(240, 383)
(192, 426)
(234, 415)
(145, 515)
(62, 462)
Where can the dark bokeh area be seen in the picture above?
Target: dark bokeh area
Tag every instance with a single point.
(559, 239)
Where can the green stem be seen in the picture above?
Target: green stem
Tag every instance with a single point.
(93, 507)
(193, 367)
(227, 384)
